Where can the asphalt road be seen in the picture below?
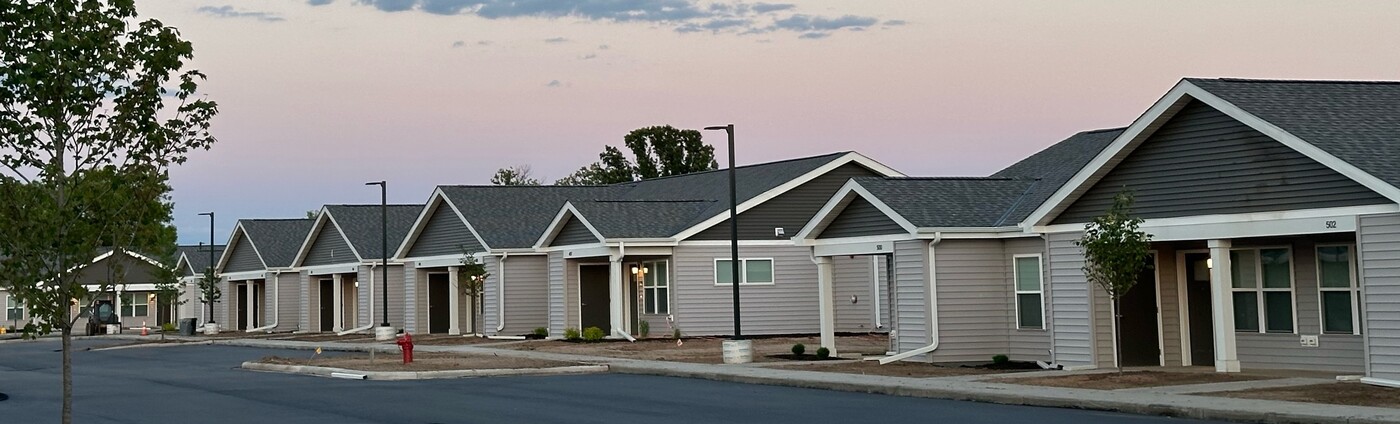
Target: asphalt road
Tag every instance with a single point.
(201, 384)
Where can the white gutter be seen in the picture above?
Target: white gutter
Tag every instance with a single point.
(276, 305)
(875, 267)
(617, 326)
(932, 306)
(501, 292)
(371, 306)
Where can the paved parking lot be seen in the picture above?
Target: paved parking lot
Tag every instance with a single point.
(201, 384)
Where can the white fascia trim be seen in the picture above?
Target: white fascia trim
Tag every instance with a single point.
(781, 242)
(785, 187)
(981, 235)
(332, 269)
(133, 287)
(436, 261)
(557, 225)
(238, 231)
(515, 252)
(1246, 218)
(247, 275)
(586, 252)
(641, 242)
(838, 203)
(184, 260)
(422, 223)
(1162, 111)
(855, 240)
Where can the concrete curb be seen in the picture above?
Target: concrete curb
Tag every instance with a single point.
(425, 375)
(150, 345)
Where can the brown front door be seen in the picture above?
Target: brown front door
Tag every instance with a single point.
(1198, 311)
(593, 297)
(1139, 327)
(439, 306)
(327, 288)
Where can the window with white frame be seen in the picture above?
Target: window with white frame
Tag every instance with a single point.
(1262, 289)
(14, 311)
(1337, 290)
(656, 287)
(751, 271)
(1029, 289)
(134, 305)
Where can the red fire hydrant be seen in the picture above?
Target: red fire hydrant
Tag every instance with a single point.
(406, 344)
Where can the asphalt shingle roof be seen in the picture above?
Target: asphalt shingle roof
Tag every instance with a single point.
(361, 224)
(949, 202)
(198, 255)
(277, 239)
(1356, 121)
(1055, 166)
(641, 219)
(515, 216)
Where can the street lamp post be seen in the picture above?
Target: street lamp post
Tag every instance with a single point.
(209, 270)
(385, 331)
(737, 350)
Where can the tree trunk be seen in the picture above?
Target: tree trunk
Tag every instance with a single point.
(1118, 335)
(68, 374)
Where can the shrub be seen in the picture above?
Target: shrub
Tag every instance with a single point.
(541, 332)
(168, 327)
(571, 334)
(676, 333)
(593, 334)
(799, 349)
(823, 353)
(1000, 359)
(644, 328)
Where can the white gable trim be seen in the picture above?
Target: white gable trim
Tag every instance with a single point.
(436, 200)
(316, 230)
(557, 225)
(1156, 116)
(851, 157)
(238, 231)
(838, 203)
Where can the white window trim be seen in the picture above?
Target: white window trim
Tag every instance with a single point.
(1016, 288)
(143, 302)
(743, 272)
(10, 297)
(1259, 289)
(650, 301)
(1355, 289)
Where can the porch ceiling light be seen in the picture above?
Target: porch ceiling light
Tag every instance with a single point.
(1210, 263)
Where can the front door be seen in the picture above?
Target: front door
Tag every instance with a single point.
(327, 287)
(1139, 327)
(439, 307)
(1198, 309)
(165, 311)
(593, 297)
(242, 295)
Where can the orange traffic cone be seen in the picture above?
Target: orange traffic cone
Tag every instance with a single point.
(144, 331)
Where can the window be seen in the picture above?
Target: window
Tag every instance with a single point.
(1029, 313)
(1262, 290)
(1337, 291)
(752, 271)
(14, 311)
(134, 305)
(656, 288)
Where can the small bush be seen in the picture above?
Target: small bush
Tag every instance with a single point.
(823, 353)
(167, 327)
(572, 334)
(799, 349)
(676, 333)
(1000, 359)
(593, 334)
(644, 328)
(541, 332)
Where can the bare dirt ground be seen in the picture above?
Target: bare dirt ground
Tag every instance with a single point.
(421, 362)
(446, 340)
(328, 337)
(703, 349)
(1130, 379)
(239, 335)
(1347, 393)
(896, 369)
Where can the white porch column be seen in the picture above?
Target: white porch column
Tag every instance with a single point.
(1222, 307)
(338, 302)
(119, 307)
(250, 297)
(454, 303)
(616, 297)
(826, 306)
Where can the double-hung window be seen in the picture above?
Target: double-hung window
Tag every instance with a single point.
(14, 311)
(134, 305)
(656, 288)
(751, 271)
(1337, 290)
(1029, 313)
(1262, 289)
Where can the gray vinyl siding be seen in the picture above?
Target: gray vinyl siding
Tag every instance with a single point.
(287, 289)
(571, 290)
(790, 210)
(1340, 353)
(444, 234)
(911, 295)
(861, 218)
(574, 232)
(1203, 162)
(243, 258)
(557, 309)
(410, 295)
(329, 248)
(306, 307)
(221, 307)
(1379, 252)
(1024, 344)
(1070, 318)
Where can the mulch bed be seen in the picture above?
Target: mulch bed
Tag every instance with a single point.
(896, 369)
(1007, 366)
(421, 362)
(803, 357)
(1129, 380)
(1348, 393)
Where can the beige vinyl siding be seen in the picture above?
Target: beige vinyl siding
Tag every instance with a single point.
(910, 299)
(1071, 318)
(1168, 281)
(973, 299)
(307, 312)
(489, 291)
(411, 277)
(1379, 253)
(527, 295)
(284, 301)
(1027, 344)
(855, 276)
(223, 305)
(1339, 353)
(396, 295)
(558, 311)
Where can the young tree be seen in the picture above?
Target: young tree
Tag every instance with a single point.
(209, 292)
(90, 124)
(1115, 253)
(658, 151)
(518, 175)
(471, 280)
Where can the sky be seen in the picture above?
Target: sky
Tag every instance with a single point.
(318, 97)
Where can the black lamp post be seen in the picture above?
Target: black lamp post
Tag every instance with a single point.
(733, 228)
(209, 270)
(383, 247)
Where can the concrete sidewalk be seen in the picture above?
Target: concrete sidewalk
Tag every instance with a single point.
(969, 388)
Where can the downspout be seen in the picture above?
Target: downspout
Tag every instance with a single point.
(932, 305)
(875, 271)
(371, 306)
(617, 326)
(501, 300)
(276, 303)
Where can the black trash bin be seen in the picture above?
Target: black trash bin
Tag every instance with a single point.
(186, 326)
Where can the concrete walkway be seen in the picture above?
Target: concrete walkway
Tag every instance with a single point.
(1155, 401)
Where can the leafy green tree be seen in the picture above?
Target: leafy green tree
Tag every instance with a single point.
(209, 292)
(659, 151)
(471, 281)
(1115, 254)
(95, 106)
(518, 175)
